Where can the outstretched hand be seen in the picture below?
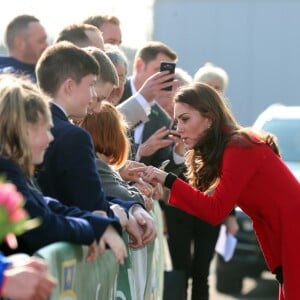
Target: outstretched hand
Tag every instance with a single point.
(151, 174)
(130, 176)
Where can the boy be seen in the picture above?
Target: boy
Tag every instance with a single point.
(68, 74)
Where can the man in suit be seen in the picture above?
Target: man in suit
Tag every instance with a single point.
(68, 74)
(153, 140)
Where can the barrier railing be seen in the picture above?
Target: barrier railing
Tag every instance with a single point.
(140, 278)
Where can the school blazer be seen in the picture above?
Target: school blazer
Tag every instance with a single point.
(58, 222)
(69, 171)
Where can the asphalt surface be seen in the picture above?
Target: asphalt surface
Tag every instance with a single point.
(264, 288)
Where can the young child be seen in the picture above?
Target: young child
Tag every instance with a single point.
(25, 123)
(68, 74)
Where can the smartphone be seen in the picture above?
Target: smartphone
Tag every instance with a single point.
(168, 66)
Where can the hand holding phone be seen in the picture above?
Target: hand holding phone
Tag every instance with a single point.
(168, 66)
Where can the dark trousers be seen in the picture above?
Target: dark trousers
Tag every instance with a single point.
(192, 247)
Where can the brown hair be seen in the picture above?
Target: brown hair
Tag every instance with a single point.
(203, 162)
(76, 34)
(62, 61)
(109, 133)
(152, 49)
(16, 27)
(99, 20)
(108, 72)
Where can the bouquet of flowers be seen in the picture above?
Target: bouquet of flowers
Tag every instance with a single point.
(14, 220)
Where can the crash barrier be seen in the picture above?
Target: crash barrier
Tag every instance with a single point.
(141, 277)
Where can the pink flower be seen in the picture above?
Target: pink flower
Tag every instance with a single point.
(18, 215)
(13, 218)
(10, 197)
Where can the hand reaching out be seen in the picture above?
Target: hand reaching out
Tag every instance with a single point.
(130, 176)
(151, 174)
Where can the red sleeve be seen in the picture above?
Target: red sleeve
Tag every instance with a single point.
(239, 165)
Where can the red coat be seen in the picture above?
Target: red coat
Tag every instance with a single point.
(258, 181)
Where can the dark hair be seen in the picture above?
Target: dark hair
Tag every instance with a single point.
(61, 61)
(203, 162)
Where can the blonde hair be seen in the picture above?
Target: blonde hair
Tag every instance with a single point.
(108, 129)
(20, 102)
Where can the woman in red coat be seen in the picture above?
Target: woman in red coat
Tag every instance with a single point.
(229, 165)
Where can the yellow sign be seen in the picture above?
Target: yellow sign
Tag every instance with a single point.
(68, 278)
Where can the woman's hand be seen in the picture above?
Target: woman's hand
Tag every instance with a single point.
(151, 174)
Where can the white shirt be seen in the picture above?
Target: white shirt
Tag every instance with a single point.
(138, 132)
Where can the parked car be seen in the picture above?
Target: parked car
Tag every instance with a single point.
(247, 261)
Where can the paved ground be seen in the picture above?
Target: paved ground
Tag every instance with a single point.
(265, 288)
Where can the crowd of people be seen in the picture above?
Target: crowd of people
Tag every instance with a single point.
(90, 147)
